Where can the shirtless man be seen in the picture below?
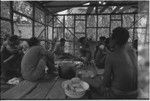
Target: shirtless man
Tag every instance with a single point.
(120, 75)
(36, 61)
(59, 49)
(11, 58)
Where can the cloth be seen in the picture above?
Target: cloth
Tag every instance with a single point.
(121, 70)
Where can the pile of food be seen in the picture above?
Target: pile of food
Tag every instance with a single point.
(67, 70)
(86, 73)
(75, 88)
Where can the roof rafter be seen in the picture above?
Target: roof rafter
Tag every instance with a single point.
(116, 9)
(103, 9)
(107, 4)
(45, 2)
(56, 6)
(90, 9)
(124, 9)
(39, 6)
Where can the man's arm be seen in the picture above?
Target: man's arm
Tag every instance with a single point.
(56, 49)
(107, 72)
(47, 54)
(95, 52)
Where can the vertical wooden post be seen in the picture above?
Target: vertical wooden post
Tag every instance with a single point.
(63, 26)
(47, 37)
(52, 27)
(33, 22)
(74, 34)
(11, 17)
(121, 20)
(133, 30)
(45, 25)
(85, 25)
(96, 22)
(109, 25)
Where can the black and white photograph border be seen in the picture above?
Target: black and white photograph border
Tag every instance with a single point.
(52, 20)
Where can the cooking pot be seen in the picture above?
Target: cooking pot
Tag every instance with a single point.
(67, 70)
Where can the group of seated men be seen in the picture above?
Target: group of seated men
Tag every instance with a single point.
(114, 55)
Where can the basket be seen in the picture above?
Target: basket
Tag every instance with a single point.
(73, 94)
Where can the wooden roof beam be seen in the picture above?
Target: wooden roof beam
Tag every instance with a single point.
(89, 10)
(93, 5)
(116, 9)
(45, 2)
(135, 11)
(72, 5)
(103, 9)
(124, 9)
(39, 6)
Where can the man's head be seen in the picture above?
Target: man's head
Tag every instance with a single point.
(82, 40)
(33, 41)
(13, 41)
(120, 36)
(6, 37)
(62, 41)
(107, 41)
(102, 39)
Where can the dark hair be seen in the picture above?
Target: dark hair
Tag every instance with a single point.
(121, 35)
(102, 38)
(62, 40)
(6, 36)
(33, 41)
(80, 40)
(13, 40)
(107, 41)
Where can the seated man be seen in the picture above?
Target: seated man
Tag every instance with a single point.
(101, 53)
(84, 50)
(120, 75)
(11, 58)
(59, 49)
(35, 61)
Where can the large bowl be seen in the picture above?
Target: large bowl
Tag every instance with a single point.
(73, 94)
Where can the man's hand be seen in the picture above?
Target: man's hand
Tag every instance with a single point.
(46, 69)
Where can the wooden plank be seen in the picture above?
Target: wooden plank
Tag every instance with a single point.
(5, 87)
(19, 91)
(41, 90)
(57, 91)
(97, 14)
